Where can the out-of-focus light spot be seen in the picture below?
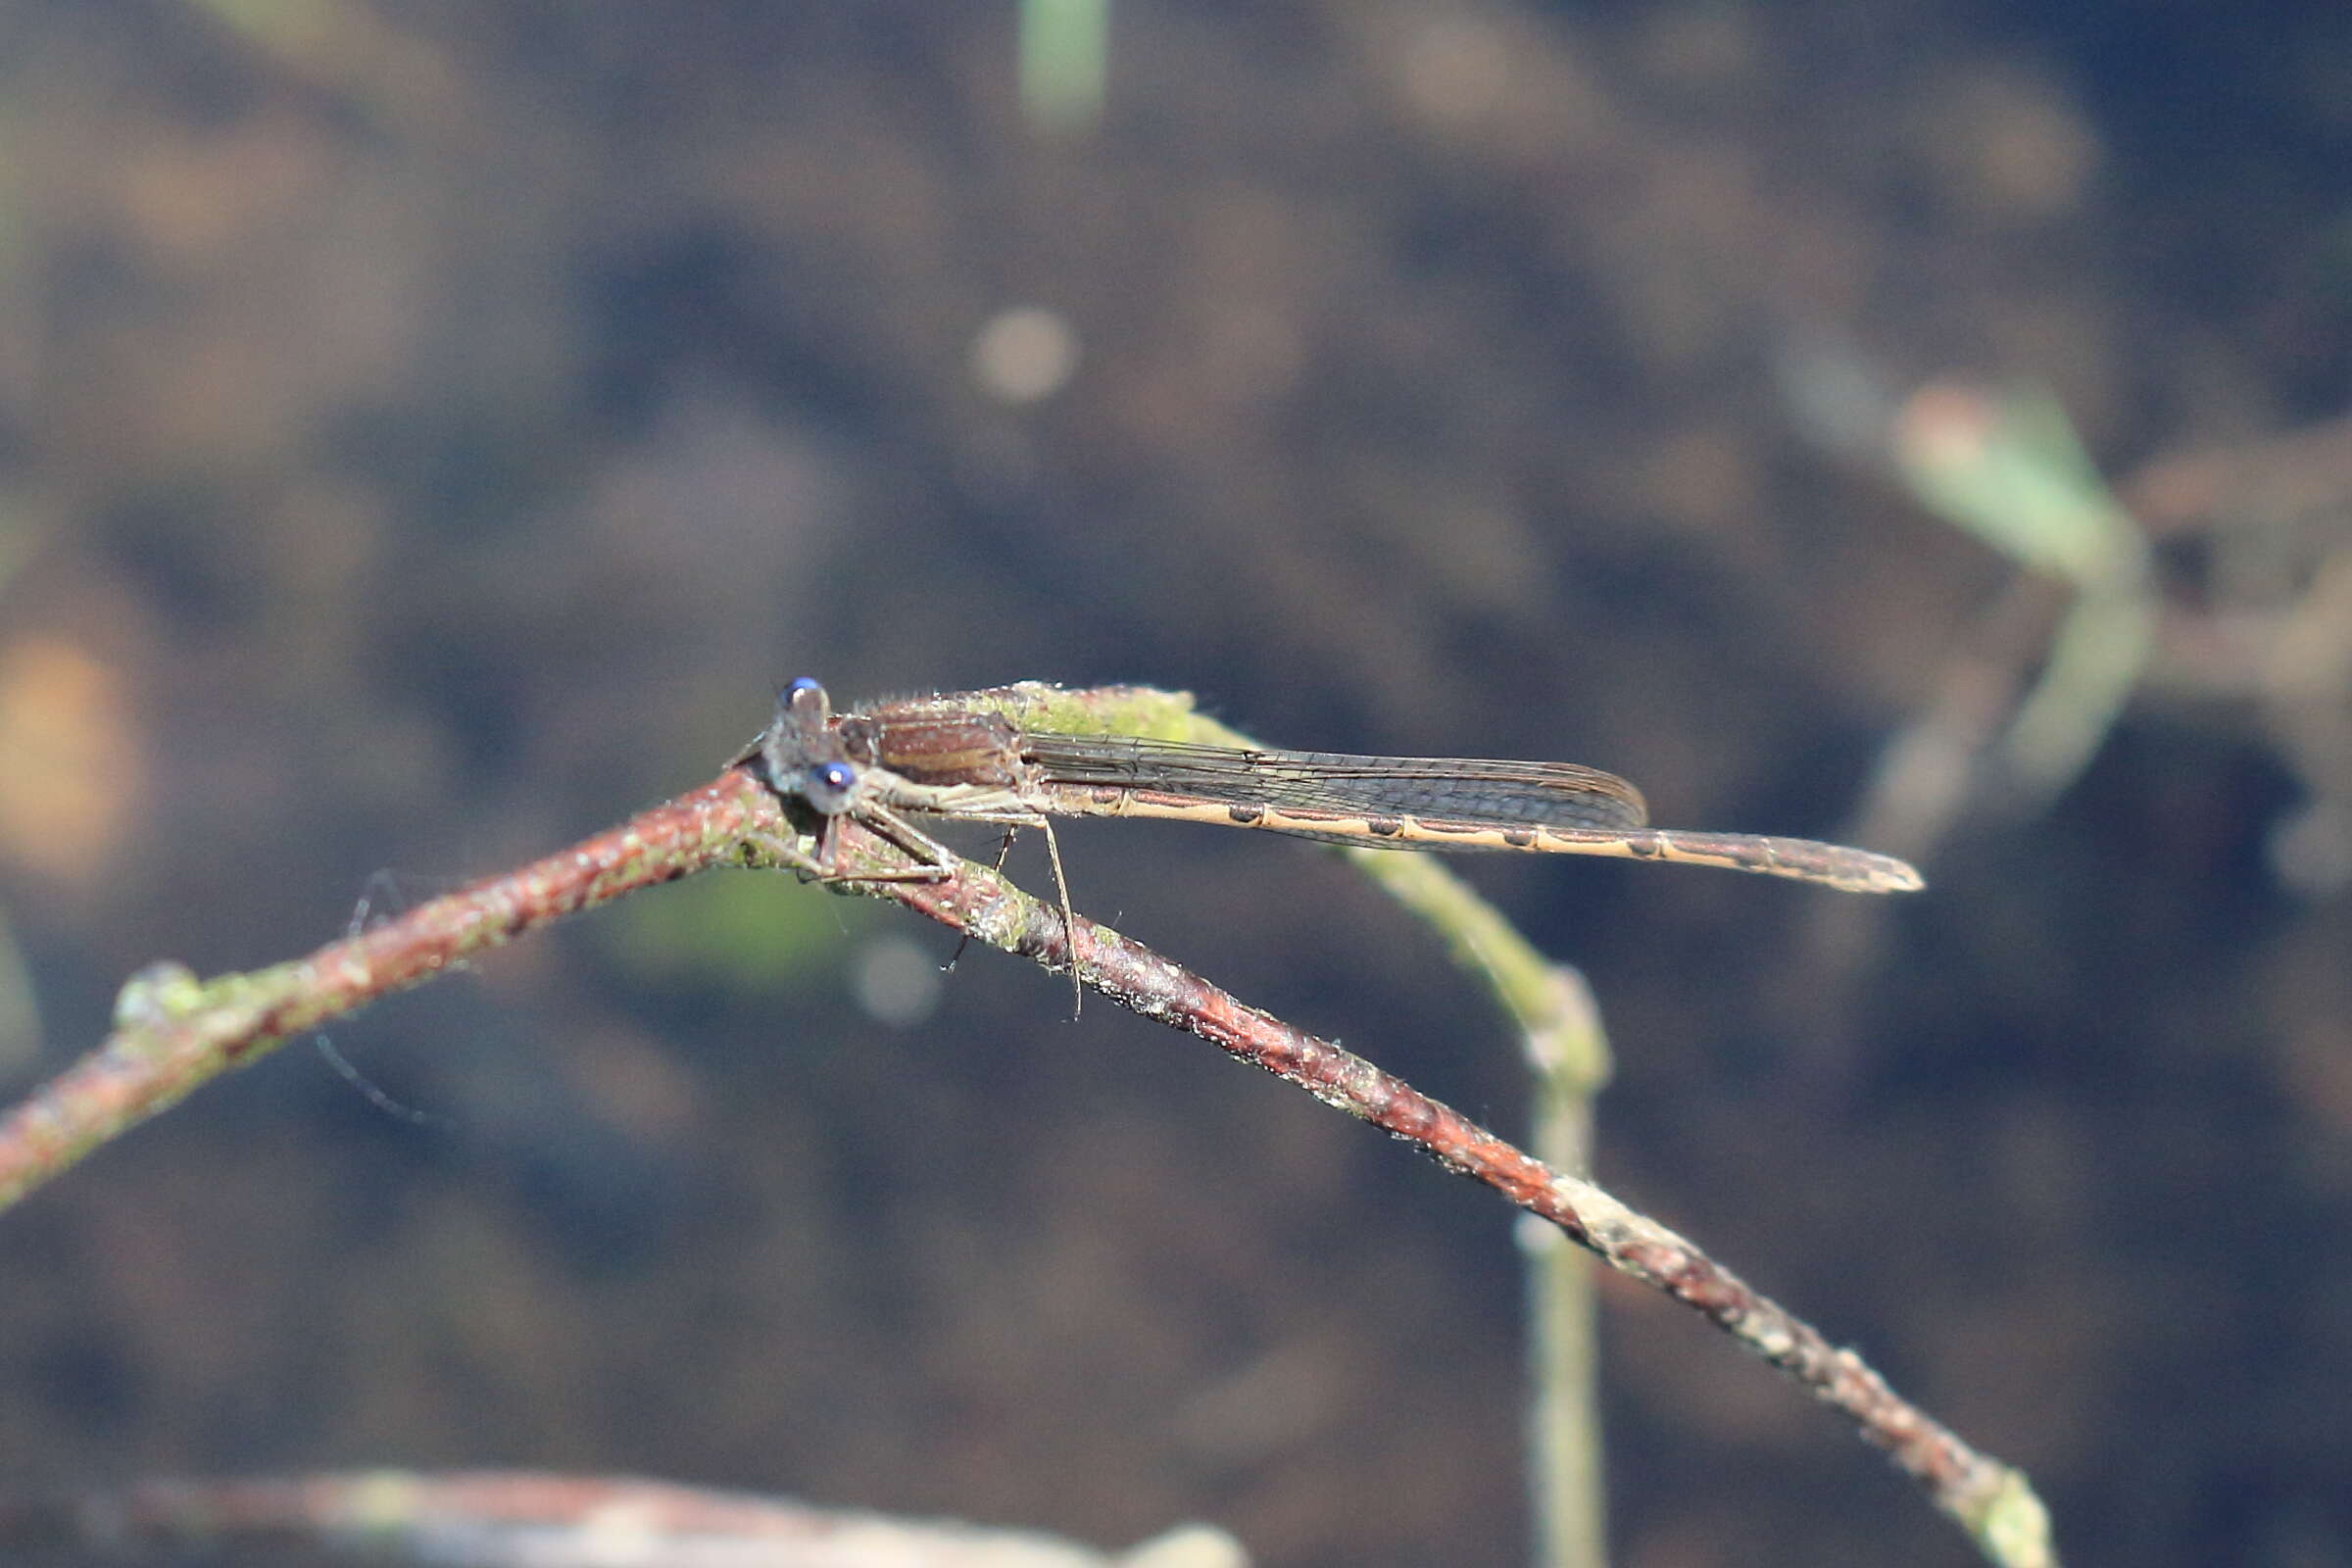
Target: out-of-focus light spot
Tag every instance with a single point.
(1024, 354)
(897, 982)
(1456, 69)
(2311, 851)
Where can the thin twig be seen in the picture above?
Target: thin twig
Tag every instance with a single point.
(1993, 1502)
(545, 1521)
(173, 1033)
(176, 1033)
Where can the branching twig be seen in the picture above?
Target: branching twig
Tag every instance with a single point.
(176, 1033)
(1991, 1501)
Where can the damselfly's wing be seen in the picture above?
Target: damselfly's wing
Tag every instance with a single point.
(1451, 789)
(1419, 802)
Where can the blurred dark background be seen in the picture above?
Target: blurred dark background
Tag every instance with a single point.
(430, 431)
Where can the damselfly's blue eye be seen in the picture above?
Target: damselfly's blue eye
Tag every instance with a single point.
(803, 708)
(828, 786)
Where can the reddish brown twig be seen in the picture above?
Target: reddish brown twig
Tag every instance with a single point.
(1993, 1501)
(515, 1516)
(174, 1033)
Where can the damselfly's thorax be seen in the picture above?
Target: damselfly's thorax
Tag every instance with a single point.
(929, 747)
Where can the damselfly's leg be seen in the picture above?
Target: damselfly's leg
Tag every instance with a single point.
(1061, 889)
(1003, 853)
(937, 865)
(787, 853)
(1069, 917)
(938, 862)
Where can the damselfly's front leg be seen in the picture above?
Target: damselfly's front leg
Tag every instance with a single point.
(936, 862)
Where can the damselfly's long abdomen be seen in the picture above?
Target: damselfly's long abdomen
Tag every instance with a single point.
(1801, 860)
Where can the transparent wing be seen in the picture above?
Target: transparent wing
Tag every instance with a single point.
(1454, 789)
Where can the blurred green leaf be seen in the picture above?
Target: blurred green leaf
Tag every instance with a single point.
(744, 931)
(1066, 50)
(2012, 471)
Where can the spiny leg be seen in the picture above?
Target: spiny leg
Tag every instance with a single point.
(914, 841)
(1004, 853)
(1069, 917)
(1061, 888)
(938, 862)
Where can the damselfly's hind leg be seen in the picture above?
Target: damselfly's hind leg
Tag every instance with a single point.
(1069, 917)
(1003, 853)
(1061, 889)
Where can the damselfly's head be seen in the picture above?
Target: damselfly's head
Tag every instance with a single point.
(803, 753)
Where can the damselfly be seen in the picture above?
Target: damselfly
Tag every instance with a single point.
(957, 757)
